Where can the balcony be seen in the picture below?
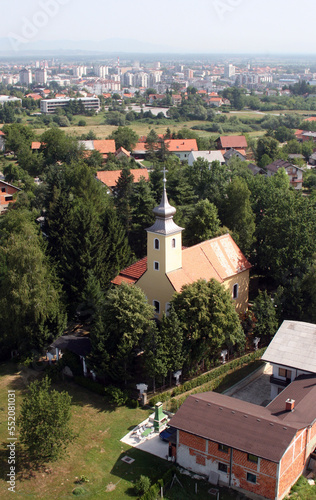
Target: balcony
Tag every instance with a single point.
(279, 381)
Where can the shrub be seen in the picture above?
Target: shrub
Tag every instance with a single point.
(78, 491)
(116, 395)
(142, 485)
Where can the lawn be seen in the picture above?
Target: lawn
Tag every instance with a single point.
(96, 452)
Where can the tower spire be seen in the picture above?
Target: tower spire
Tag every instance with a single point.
(164, 214)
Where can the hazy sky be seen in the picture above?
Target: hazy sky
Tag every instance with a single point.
(262, 26)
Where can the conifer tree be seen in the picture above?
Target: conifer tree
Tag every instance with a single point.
(142, 204)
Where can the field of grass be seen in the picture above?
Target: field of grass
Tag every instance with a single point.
(96, 452)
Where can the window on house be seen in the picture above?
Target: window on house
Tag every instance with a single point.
(156, 244)
(223, 447)
(285, 373)
(222, 467)
(173, 243)
(235, 291)
(2, 190)
(251, 478)
(156, 305)
(252, 458)
(167, 308)
(156, 265)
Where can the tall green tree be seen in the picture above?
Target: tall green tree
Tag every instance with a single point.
(59, 147)
(44, 422)
(31, 308)
(84, 233)
(155, 358)
(124, 137)
(142, 205)
(172, 338)
(203, 223)
(267, 146)
(208, 320)
(122, 197)
(238, 215)
(286, 237)
(151, 143)
(266, 321)
(126, 318)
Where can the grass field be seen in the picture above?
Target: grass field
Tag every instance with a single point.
(96, 453)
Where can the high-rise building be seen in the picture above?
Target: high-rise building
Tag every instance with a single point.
(101, 71)
(229, 71)
(141, 79)
(25, 76)
(41, 76)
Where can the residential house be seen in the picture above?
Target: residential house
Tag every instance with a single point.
(168, 266)
(122, 153)
(307, 136)
(110, 177)
(241, 154)
(36, 145)
(139, 151)
(7, 192)
(209, 156)
(238, 142)
(294, 172)
(292, 352)
(176, 99)
(255, 170)
(311, 160)
(181, 147)
(104, 146)
(155, 98)
(217, 102)
(256, 450)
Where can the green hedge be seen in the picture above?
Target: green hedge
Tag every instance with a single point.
(207, 377)
(90, 384)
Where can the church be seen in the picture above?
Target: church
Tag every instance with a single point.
(168, 266)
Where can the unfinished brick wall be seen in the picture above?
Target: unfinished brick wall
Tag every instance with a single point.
(294, 460)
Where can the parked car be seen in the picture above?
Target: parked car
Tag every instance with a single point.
(167, 433)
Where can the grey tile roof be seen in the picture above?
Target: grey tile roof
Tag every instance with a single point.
(294, 345)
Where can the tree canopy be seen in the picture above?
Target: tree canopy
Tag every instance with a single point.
(208, 320)
(44, 422)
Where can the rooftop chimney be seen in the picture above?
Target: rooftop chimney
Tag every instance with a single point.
(289, 404)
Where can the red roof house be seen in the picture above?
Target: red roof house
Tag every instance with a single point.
(7, 192)
(110, 177)
(232, 141)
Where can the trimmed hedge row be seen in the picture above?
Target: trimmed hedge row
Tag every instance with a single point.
(207, 377)
(154, 491)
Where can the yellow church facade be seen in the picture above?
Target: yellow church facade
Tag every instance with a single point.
(168, 266)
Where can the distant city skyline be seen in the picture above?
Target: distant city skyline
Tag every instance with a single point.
(205, 26)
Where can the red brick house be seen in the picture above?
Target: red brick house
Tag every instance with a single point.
(245, 446)
(7, 192)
